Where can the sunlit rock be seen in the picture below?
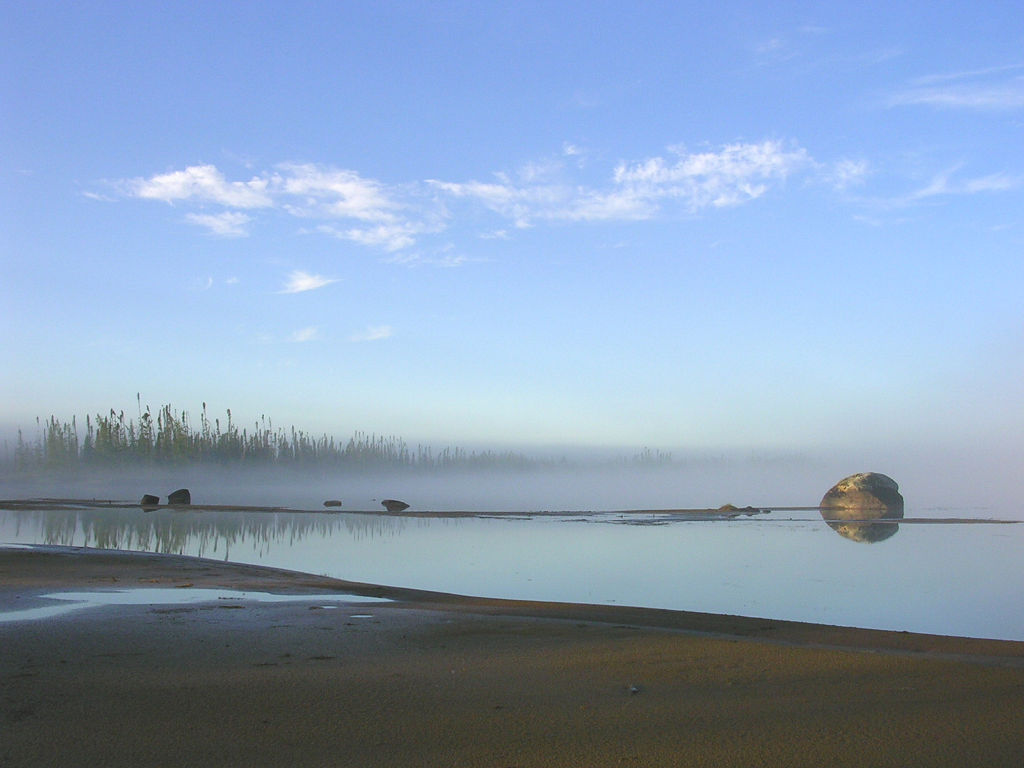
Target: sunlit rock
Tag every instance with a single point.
(180, 496)
(731, 510)
(859, 506)
(394, 505)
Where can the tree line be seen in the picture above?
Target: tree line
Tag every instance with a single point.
(172, 437)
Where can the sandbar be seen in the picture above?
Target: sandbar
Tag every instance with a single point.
(431, 679)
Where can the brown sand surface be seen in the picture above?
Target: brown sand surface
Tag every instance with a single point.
(437, 680)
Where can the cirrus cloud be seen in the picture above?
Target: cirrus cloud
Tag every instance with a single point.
(993, 88)
(372, 333)
(226, 224)
(299, 282)
(309, 333)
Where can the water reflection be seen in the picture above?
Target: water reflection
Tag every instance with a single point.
(206, 534)
(864, 525)
(952, 578)
(856, 506)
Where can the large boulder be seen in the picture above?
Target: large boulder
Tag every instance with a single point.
(394, 505)
(860, 507)
(865, 491)
(180, 496)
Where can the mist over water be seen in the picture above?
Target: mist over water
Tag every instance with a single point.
(952, 579)
(697, 483)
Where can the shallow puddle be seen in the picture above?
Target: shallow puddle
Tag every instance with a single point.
(76, 601)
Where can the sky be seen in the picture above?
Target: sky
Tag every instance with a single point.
(738, 226)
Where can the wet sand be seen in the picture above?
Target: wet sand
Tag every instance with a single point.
(438, 680)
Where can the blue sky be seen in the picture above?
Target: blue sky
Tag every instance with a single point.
(736, 226)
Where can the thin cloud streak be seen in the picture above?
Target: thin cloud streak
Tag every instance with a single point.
(372, 333)
(226, 224)
(305, 334)
(982, 89)
(299, 282)
(945, 184)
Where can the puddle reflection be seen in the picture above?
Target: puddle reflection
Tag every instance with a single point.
(67, 602)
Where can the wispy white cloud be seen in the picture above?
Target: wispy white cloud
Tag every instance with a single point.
(993, 88)
(445, 258)
(774, 50)
(521, 202)
(305, 334)
(300, 281)
(378, 217)
(732, 175)
(847, 173)
(323, 192)
(98, 196)
(226, 224)
(735, 174)
(393, 236)
(397, 218)
(203, 183)
(372, 333)
(945, 184)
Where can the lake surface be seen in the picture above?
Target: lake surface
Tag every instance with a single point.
(937, 576)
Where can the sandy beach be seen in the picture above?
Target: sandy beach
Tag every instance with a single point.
(439, 680)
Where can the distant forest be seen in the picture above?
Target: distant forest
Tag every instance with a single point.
(172, 438)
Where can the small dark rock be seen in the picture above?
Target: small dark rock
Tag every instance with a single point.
(180, 496)
(394, 505)
(332, 503)
(149, 500)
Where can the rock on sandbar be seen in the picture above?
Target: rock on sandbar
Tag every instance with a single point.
(865, 491)
(859, 506)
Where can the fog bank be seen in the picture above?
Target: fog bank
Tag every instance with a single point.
(926, 481)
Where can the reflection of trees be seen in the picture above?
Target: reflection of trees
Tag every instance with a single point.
(204, 533)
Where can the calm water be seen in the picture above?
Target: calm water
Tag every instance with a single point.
(945, 577)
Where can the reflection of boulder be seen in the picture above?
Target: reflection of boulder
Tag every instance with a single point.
(180, 496)
(857, 506)
(394, 505)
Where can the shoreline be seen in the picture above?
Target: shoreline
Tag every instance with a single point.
(437, 679)
(664, 515)
(33, 569)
